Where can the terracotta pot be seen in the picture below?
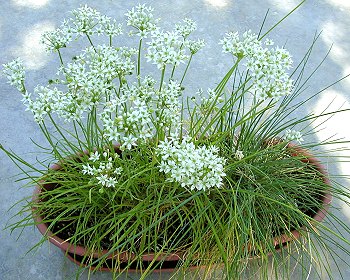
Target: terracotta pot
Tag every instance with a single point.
(169, 261)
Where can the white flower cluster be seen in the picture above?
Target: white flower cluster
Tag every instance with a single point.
(133, 114)
(109, 27)
(14, 71)
(88, 78)
(141, 18)
(269, 70)
(85, 21)
(57, 39)
(104, 63)
(91, 79)
(126, 117)
(102, 170)
(267, 66)
(293, 135)
(194, 46)
(169, 107)
(47, 100)
(89, 21)
(240, 47)
(199, 168)
(166, 48)
(186, 28)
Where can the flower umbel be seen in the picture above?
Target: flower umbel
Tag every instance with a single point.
(267, 66)
(102, 169)
(293, 135)
(165, 48)
(186, 28)
(195, 46)
(14, 72)
(199, 168)
(141, 18)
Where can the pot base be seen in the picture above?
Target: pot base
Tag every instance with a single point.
(136, 266)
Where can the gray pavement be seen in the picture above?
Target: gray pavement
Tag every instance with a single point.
(21, 23)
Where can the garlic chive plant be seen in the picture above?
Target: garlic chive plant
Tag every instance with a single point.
(142, 167)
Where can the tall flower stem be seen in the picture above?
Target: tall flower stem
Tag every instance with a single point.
(139, 61)
(60, 56)
(162, 79)
(174, 67)
(187, 66)
(91, 43)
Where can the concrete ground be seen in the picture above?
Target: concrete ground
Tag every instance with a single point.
(21, 23)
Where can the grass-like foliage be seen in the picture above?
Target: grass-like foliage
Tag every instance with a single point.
(221, 180)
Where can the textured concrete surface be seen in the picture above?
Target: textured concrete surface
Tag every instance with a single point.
(21, 23)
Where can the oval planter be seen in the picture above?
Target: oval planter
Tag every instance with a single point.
(167, 262)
